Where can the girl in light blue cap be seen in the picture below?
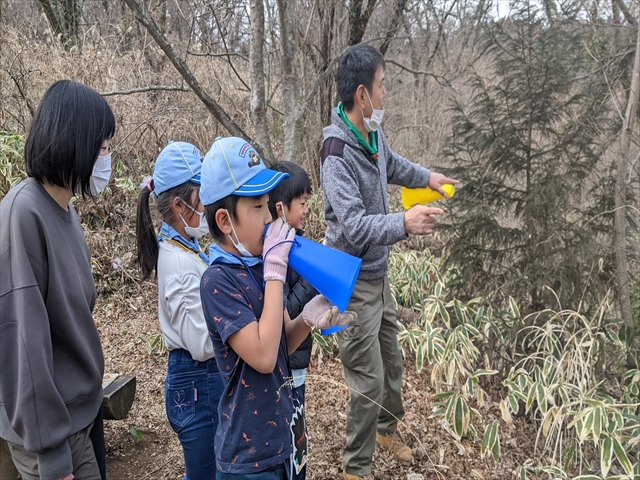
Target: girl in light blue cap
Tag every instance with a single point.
(193, 385)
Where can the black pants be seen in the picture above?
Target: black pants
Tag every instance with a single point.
(97, 439)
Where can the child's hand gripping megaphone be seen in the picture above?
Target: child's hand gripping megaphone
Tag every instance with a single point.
(422, 196)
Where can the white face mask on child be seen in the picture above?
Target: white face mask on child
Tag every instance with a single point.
(239, 246)
(203, 225)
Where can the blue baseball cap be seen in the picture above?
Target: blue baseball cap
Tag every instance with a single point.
(233, 167)
(178, 163)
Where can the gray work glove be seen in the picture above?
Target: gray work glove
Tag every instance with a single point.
(320, 313)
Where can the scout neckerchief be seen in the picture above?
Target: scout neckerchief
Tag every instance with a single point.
(219, 255)
(371, 146)
(170, 234)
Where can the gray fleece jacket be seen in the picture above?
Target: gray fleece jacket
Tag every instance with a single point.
(356, 205)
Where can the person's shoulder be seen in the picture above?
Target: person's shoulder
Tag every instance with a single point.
(175, 264)
(220, 270)
(23, 196)
(223, 275)
(332, 130)
(22, 208)
(382, 139)
(177, 258)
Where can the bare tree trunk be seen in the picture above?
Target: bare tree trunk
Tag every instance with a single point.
(327, 16)
(55, 23)
(294, 104)
(622, 265)
(258, 101)
(216, 110)
(358, 19)
(625, 11)
(394, 23)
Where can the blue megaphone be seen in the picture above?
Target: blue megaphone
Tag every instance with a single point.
(331, 272)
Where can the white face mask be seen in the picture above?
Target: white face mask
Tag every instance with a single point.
(201, 229)
(239, 246)
(99, 176)
(372, 124)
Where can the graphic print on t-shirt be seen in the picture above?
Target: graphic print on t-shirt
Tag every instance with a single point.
(255, 409)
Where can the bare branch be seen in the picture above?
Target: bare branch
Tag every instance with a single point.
(399, 7)
(616, 102)
(256, 66)
(418, 72)
(620, 194)
(150, 88)
(601, 68)
(197, 54)
(320, 78)
(53, 20)
(224, 43)
(216, 110)
(625, 11)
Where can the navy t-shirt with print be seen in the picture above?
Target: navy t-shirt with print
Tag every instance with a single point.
(255, 409)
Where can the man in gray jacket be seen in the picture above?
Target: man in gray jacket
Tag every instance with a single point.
(357, 165)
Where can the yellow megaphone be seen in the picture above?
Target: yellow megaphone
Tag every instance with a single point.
(422, 196)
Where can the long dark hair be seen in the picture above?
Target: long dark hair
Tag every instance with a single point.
(146, 236)
(66, 134)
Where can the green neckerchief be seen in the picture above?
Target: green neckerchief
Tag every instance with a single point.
(372, 146)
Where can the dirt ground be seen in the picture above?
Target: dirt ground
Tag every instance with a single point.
(128, 321)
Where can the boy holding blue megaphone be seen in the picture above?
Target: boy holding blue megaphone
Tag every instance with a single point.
(261, 429)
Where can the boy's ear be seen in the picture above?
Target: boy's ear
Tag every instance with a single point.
(222, 220)
(280, 208)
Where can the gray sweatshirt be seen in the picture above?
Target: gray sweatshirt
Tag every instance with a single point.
(51, 361)
(356, 206)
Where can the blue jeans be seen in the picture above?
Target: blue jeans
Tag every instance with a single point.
(279, 472)
(192, 391)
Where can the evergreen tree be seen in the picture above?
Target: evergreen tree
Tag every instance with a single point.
(524, 147)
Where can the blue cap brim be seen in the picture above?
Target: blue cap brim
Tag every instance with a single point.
(262, 183)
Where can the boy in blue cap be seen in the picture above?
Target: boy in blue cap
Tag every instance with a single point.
(261, 434)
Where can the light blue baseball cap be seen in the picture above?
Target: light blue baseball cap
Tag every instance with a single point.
(233, 167)
(178, 163)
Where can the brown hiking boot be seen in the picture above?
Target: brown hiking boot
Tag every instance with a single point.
(348, 476)
(394, 443)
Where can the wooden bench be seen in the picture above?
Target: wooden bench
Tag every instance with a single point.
(119, 391)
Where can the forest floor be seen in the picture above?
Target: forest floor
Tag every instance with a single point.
(128, 323)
